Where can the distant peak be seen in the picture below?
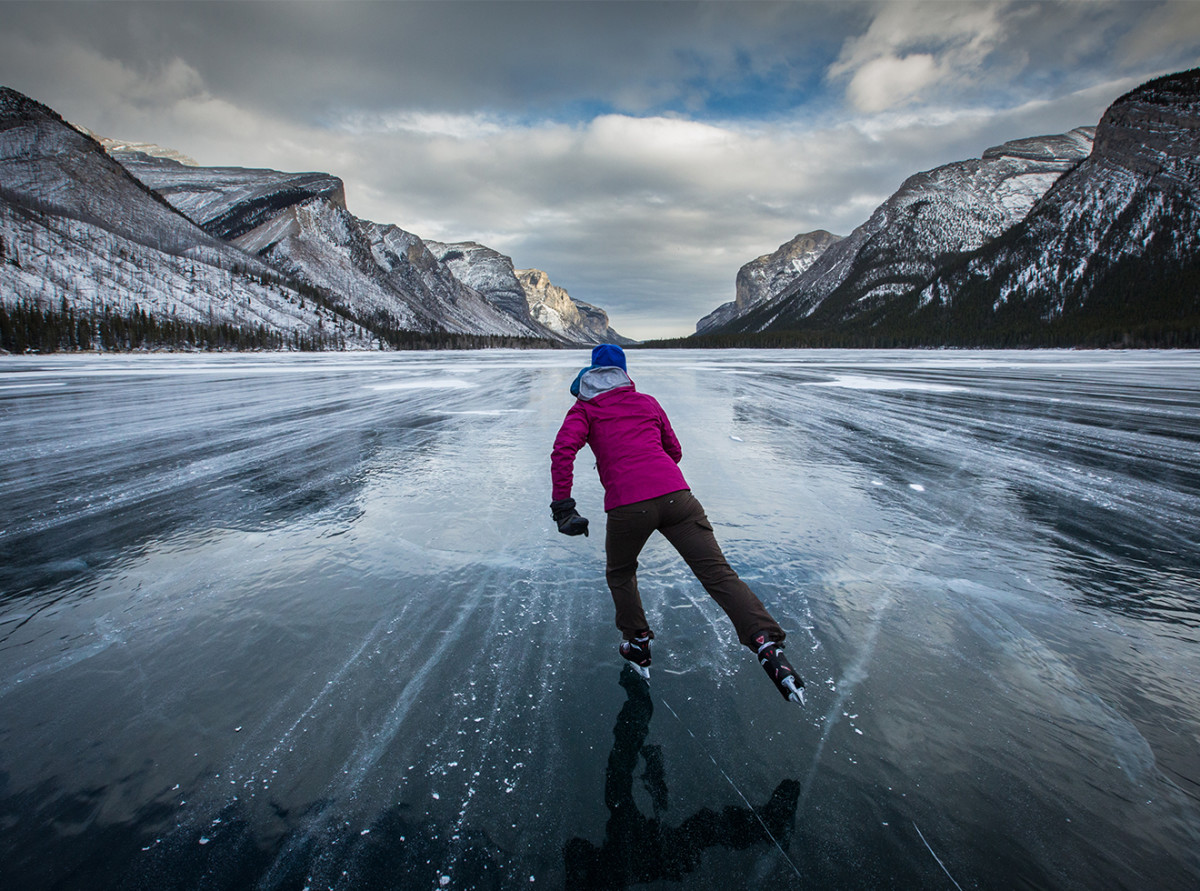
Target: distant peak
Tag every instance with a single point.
(149, 149)
(533, 277)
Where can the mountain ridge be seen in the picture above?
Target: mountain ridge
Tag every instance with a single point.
(952, 209)
(148, 240)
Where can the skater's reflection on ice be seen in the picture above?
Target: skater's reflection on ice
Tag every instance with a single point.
(638, 848)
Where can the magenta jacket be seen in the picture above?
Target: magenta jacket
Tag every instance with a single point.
(636, 449)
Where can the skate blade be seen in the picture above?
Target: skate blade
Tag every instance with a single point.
(643, 670)
(795, 694)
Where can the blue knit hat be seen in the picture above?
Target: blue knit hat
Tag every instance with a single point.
(608, 354)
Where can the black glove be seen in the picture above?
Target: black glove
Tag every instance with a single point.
(568, 519)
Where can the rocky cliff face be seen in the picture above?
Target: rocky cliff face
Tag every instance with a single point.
(572, 320)
(490, 273)
(227, 202)
(765, 278)
(1152, 131)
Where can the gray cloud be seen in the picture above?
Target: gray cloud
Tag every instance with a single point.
(639, 153)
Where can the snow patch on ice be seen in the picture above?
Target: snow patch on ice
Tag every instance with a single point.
(859, 382)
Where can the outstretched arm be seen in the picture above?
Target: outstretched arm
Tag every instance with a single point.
(571, 438)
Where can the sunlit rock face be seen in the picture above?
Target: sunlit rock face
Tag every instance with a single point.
(572, 320)
(491, 274)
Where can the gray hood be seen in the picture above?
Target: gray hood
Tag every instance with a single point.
(599, 380)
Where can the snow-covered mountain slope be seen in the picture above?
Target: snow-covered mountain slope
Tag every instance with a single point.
(46, 162)
(412, 267)
(79, 233)
(765, 278)
(300, 225)
(59, 263)
(572, 320)
(1115, 243)
(947, 211)
(1041, 242)
(380, 274)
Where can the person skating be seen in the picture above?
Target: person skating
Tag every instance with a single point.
(637, 456)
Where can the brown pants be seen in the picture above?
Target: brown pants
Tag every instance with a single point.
(681, 520)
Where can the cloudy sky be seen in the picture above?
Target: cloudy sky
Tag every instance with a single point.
(638, 152)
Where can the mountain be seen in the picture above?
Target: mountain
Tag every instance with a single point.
(129, 244)
(939, 213)
(764, 279)
(1091, 238)
(84, 242)
(1110, 255)
(300, 225)
(573, 320)
(47, 163)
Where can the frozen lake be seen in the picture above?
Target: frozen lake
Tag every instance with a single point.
(291, 622)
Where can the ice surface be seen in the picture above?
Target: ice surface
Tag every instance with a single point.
(288, 621)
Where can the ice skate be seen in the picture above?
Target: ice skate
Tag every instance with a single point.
(779, 670)
(637, 651)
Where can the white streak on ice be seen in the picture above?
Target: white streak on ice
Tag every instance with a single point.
(489, 413)
(431, 384)
(936, 857)
(32, 385)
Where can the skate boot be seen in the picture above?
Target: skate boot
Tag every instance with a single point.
(779, 670)
(637, 651)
